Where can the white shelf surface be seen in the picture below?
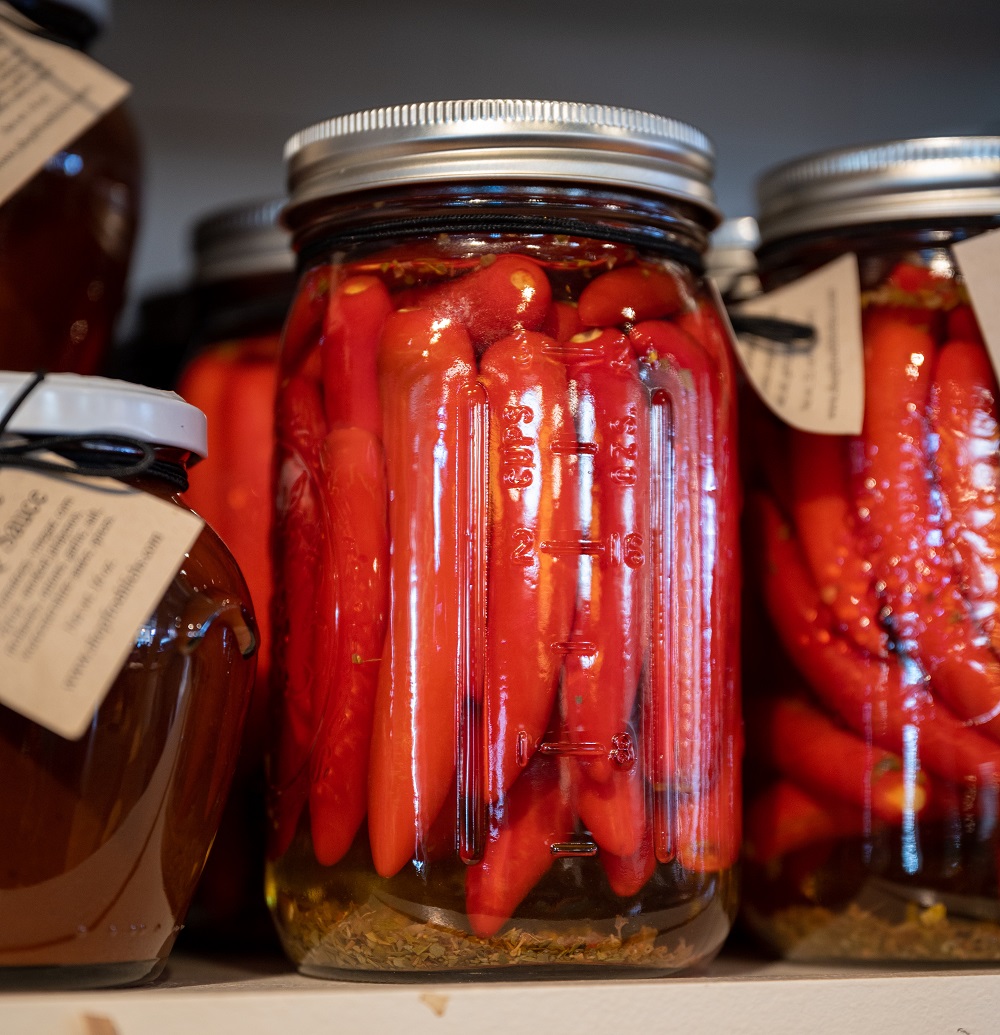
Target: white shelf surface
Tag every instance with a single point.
(735, 996)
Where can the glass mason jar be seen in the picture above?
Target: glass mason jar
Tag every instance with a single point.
(67, 235)
(106, 835)
(872, 666)
(507, 723)
(243, 284)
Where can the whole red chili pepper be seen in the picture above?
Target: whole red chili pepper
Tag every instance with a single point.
(709, 824)
(784, 818)
(304, 320)
(929, 615)
(532, 501)
(610, 631)
(519, 851)
(628, 875)
(354, 495)
(808, 748)
(963, 414)
(692, 674)
(425, 365)
(504, 294)
(562, 321)
(355, 315)
(628, 294)
(873, 696)
(822, 507)
(303, 627)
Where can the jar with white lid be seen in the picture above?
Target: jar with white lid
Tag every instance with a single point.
(507, 724)
(873, 666)
(107, 824)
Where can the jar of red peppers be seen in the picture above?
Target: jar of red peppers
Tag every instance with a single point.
(507, 722)
(244, 278)
(107, 820)
(873, 682)
(67, 235)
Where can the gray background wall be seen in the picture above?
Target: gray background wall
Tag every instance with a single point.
(220, 84)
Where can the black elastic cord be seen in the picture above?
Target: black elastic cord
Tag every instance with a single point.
(501, 223)
(769, 332)
(94, 456)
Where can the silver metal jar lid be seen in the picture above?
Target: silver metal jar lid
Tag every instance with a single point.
(244, 240)
(501, 141)
(79, 404)
(921, 178)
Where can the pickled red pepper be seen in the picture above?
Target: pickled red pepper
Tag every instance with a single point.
(533, 499)
(424, 362)
(928, 613)
(604, 664)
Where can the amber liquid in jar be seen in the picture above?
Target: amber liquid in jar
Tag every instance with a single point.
(106, 835)
(66, 240)
(871, 814)
(508, 735)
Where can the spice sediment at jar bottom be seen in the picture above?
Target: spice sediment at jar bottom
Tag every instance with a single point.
(499, 746)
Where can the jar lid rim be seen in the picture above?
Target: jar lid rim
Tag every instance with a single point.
(501, 139)
(919, 177)
(70, 404)
(242, 240)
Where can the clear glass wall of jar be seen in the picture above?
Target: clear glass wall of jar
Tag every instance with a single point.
(66, 237)
(872, 665)
(507, 722)
(106, 835)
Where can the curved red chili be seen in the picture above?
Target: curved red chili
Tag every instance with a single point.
(355, 500)
(627, 294)
(904, 530)
(532, 503)
(425, 365)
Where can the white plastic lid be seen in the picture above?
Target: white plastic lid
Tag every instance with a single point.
(76, 404)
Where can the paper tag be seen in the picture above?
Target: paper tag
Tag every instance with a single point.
(49, 94)
(978, 259)
(83, 563)
(819, 387)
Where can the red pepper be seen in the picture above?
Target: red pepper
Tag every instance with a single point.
(355, 316)
(304, 321)
(610, 631)
(874, 697)
(963, 414)
(708, 824)
(303, 621)
(519, 851)
(562, 321)
(808, 748)
(425, 365)
(692, 676)
(822, 508)
(928, 615)
(628, 294)
(355, 500)
(629, 875)
(505, 294)
(784, 818)
(532, 501)
(962, 325)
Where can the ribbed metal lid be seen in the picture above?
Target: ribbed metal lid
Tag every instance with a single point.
(242, 241)
(921, 178)
(501, 140)
(83, 404)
